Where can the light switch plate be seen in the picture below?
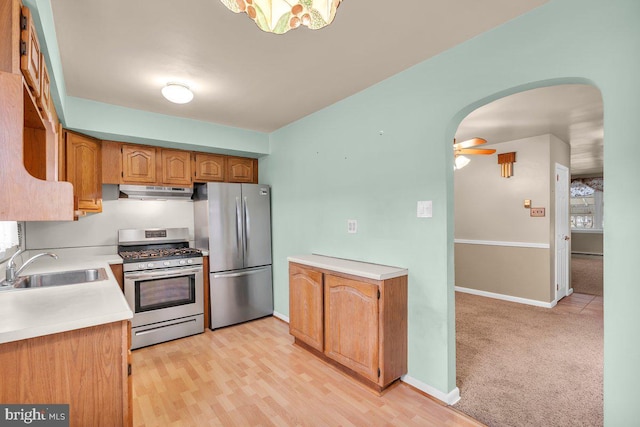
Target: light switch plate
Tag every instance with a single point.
(352, 226)
(425, 209)
(537, 212)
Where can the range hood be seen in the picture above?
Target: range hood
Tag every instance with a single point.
(150, 192)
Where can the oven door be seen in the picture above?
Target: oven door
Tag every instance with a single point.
(166, 294)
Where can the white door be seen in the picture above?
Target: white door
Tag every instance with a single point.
(563, 232)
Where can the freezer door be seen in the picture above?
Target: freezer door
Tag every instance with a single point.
(239, 296)
(256, 199)
(226, 225)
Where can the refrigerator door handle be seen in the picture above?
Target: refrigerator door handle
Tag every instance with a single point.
(247, 226)
(238, 274)
(238, 225)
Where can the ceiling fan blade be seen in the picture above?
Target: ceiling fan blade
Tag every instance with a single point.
(468, 143)
(475, 151)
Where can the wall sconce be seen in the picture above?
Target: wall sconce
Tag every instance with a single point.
(506, 161)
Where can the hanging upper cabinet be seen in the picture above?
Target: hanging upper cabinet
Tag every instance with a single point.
(84, 170)
(138, 164)
(208, 167)
(30, 55)
(176, 167)
(28, 169)
(241, 169)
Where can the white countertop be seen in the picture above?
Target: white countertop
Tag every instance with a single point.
(29, 313)
(346, 266)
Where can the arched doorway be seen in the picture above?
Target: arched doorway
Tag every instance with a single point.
(504, 252)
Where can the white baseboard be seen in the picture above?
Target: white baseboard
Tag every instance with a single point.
(450, 398)
(281, 316)
(506, 297)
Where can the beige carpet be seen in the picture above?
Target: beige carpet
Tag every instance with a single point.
(520, 365)
(587, 274)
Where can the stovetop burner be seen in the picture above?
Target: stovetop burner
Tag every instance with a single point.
(140, 248)
(159, 254)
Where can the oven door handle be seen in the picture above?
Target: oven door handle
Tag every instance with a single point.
(155, 275)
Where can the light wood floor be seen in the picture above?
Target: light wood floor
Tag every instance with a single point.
(583, 304)
(253, 375)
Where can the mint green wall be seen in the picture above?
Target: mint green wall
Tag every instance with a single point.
(116, 123)
(333, 165)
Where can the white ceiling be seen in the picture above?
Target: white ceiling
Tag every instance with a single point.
(123, 52)
(573, 113)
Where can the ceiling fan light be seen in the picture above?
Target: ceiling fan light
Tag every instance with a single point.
(177, 93)
(460, 162)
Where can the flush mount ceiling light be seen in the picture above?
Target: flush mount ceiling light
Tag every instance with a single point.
(177, 93)
(280, 16)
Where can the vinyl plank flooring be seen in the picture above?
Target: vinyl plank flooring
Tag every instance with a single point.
(253, 375)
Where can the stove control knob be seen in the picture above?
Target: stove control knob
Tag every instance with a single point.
(150, 265)
(182, 261)
(140, 265)
(167, 263)
(190, 261)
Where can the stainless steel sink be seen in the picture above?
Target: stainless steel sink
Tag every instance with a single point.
(61, 278)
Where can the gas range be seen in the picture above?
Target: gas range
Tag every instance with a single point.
(163, 284)
(151, 249)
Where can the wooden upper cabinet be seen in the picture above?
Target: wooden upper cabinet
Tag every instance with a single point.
(208, 167)
(138, 164)
(351, 324)
(111, 162)
(84, 171)
(306, 305)
(44, 100)
(124, 163)
(30, 59)
(241, 169)
(176, 167)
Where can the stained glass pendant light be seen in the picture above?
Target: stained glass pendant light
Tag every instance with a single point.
(280, 16)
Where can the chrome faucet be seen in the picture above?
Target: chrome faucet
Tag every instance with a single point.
(12, 274)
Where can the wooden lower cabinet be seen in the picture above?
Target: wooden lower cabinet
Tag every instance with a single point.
(85, 368)
(351, 324)
(357, 323)
(306, 305)
(118, 272)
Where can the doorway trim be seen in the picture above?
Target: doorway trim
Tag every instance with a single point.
(562, 234)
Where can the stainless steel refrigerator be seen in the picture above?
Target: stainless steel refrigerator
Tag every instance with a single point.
(233, 222)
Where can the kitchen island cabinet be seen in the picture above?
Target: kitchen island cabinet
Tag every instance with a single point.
(351, 314)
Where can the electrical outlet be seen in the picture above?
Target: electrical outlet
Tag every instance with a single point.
(352, 226)
(537, 212)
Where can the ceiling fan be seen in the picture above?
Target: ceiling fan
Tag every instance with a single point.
(464, 147)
